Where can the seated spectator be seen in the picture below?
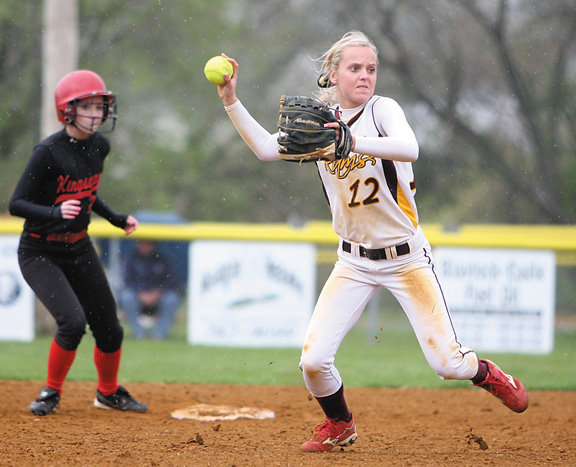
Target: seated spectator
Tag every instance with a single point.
(150, 296)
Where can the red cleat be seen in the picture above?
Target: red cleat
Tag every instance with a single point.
(505, 387)
(330, 434)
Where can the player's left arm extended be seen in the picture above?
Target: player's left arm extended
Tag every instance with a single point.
(399, 143)
(103, 210)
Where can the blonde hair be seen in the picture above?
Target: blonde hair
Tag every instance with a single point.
(331, 59)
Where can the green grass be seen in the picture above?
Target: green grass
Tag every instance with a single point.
(389, 357)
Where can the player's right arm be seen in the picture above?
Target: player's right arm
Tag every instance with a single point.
(263, 143)
(259, 140)
(24, 200)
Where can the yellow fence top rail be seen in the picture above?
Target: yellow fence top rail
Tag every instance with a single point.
(554, 237)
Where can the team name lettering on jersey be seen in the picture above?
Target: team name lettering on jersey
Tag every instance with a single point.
(65, 185)
(77, 189)
(342, 167)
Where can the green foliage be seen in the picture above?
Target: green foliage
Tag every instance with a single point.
(494, 115)
(20, 67)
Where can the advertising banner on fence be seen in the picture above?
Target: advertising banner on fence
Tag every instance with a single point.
(250, 294)
(16, 298)
(500, 300)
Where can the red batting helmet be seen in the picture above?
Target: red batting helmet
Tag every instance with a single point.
(79, 85)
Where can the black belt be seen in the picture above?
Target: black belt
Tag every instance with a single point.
(377, 253)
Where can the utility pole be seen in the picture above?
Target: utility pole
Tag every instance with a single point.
(59, 54)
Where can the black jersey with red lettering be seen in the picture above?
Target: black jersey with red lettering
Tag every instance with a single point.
(62, 168)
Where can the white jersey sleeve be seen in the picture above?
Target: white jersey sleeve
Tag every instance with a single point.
(400, 143)
(259, 140)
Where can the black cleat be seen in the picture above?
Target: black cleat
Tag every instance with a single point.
(120, 400)
(47, 401)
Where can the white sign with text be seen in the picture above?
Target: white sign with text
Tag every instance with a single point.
(250, 294)
(16, 297)
(500, 300)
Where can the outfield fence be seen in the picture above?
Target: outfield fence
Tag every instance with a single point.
(558, 238)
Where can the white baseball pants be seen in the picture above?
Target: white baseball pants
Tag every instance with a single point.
(412, 280)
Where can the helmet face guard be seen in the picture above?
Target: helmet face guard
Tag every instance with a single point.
(104, 124)
(82, 84)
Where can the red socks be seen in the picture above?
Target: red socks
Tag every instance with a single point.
(59, 363)
(107, 366)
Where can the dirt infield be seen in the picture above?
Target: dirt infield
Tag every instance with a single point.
(409, 427)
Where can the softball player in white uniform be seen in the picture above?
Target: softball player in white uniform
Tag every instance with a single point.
(371, 197)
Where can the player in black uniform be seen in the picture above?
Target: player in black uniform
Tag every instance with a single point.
(56, 194)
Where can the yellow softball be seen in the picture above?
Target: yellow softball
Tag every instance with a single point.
(215, 69)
